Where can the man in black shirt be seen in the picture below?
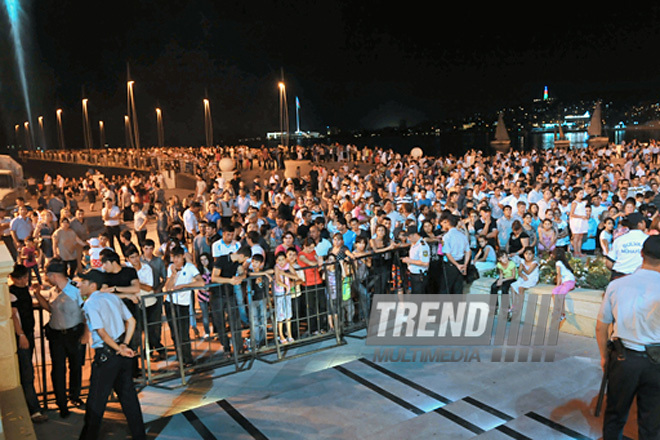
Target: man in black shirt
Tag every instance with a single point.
(23, 318)
(226, 272)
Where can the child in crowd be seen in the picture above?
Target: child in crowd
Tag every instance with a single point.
(331, 295)
(529, 277)
(95, 249)
(30, 259)
(507, 274)
(565, 282)
(257, 288)
(486, 257)
(85, 259)
(205, 268)
(284, 275)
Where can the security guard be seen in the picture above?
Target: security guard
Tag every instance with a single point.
(625, 256)
(111, 326)
(456, 250)
(630, 306)
(64, 332)
(417, 260)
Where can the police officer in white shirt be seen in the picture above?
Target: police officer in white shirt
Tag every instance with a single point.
(625, 256)
(631, 359)
(417, 260)
(456, 250)
(111, 326)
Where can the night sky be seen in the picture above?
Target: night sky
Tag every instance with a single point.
(353, 64)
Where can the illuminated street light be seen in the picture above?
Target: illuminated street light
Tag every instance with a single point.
(60, 131)
(208, 123)
(159, 128)
(87, 129)
(102, 134)
(42, 133)
(28, 142)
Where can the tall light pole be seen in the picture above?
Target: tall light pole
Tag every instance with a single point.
(208, 123)
(132, 116)
(102, 134)
(60, 131)
(42, 133)
(129, 132)
(17, 133)
(284, 115)
(159, 128)
(87, 129)
(28, 142)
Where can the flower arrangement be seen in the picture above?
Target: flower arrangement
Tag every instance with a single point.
(590, 273)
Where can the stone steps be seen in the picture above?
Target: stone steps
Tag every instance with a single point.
(581, 305)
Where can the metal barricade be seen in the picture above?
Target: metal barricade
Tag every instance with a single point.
(374, 273)
(165, 355)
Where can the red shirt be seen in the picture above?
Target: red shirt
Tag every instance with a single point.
(312, 275)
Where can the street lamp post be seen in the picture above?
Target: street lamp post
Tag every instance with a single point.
(208, 123)
(159, 128)
(102, 134)
(87, 130)
(28, 142)
(60, 131)
(284, 116)
(42, 133)
(129, 134)
(132, 116)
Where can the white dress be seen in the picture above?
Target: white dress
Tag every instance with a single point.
(579, 225)
(531, 281)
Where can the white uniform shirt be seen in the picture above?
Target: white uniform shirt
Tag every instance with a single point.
(106, 311)
(419, 251)
(626, 251)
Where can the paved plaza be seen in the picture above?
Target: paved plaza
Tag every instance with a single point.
(341, 393)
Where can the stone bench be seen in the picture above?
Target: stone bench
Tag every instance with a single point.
(581, 305)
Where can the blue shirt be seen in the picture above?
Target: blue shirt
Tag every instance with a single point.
(106, 311)
(349, 239)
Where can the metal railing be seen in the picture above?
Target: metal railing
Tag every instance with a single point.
(244, 326)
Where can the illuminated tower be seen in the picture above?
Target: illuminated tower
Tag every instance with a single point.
(545, 93)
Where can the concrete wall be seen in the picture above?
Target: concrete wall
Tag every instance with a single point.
(14, 414)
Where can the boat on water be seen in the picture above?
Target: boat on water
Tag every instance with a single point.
(595, 129)
(560, 138)
(501, 141)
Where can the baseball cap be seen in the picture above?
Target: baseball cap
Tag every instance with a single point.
(94, 242)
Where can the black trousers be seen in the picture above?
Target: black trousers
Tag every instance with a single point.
(223, 300)
(114, 232)
(65, 346)
(418, 283)
(154, 324)
(636, 375)
(112, 372)
(181, 336)
(454, 279)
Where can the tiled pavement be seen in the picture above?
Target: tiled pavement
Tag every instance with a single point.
(341, 393)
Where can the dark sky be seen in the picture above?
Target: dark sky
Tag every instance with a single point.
(353, 64)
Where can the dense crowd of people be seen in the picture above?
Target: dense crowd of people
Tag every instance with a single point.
(381, 220)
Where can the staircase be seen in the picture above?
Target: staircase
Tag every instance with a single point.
(361, 399)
